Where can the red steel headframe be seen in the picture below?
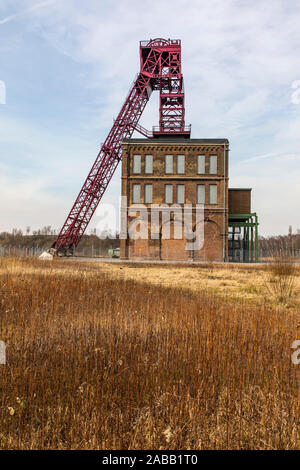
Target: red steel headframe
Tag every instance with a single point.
(160, 70)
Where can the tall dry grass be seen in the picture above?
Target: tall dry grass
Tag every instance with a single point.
(281, 280)
(97, 364)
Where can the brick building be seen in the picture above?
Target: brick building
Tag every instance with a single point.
(176, 171)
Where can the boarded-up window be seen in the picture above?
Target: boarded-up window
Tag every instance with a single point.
(148, 193)
(148, 164)
(180, 194)
(168, 193)
(213, 164)
(180, 164)
(200, 193)
(213, 194)
(169, 164)
(136, 164)
(201, 164)
(136, 193)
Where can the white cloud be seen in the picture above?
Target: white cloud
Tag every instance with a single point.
(239, 63)
(25, 202)
(21, 13)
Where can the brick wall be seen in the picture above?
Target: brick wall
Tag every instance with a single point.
(174, 249)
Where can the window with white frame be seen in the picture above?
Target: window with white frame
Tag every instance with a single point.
(201, 165)
(168, 193)
(200, 193)
(213, 164)
(169, 164)
(148, 193)
(213, 194)
(136, 168)
(148, 164)
(180, 164)
(136, 193)
(180, 193)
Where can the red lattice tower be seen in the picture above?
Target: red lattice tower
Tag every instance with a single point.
(160, 70)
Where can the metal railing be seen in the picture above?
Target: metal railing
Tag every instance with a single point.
(142, 130)
(172, 129)
(165, 42)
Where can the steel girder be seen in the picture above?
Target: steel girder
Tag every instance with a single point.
(160, 69)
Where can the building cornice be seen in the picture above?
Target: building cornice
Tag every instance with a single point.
(176, 177)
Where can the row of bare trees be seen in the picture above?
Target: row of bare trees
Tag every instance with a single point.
(32, 243)
(281, 245)
(47, 230)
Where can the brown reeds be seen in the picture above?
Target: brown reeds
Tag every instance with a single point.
(95, 363)
(281, 280)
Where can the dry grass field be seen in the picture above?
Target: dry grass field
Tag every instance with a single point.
(238, 282)
(103, 356)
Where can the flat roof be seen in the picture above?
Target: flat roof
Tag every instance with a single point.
(176, 140)
(240, 189)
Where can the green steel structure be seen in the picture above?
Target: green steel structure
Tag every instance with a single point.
(243, 238)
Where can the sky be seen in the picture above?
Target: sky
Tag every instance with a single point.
(66, 67)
